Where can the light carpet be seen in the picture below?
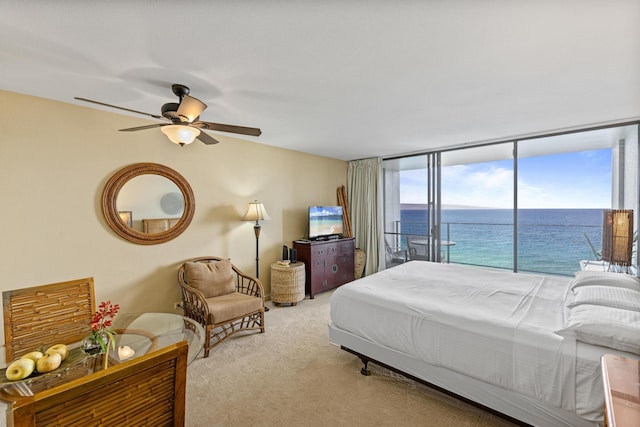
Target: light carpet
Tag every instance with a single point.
(292, 376)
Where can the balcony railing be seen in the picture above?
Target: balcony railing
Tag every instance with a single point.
(542, 248)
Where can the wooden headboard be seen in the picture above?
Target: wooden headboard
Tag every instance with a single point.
(46, 315)
(158, 225)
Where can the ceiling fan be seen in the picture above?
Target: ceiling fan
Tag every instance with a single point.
(183, 126)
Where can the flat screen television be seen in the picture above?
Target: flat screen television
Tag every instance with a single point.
(325, 222)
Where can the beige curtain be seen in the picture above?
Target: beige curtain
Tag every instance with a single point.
(364, 191)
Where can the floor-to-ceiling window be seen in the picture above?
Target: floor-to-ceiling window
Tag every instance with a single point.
(564, 183)
(477, 205)
(533, 204)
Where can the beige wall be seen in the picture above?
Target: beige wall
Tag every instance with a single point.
(55, 159)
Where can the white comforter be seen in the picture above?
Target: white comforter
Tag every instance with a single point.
(495, 326)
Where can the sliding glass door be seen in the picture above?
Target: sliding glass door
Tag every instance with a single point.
(533, 204)
(411, 211)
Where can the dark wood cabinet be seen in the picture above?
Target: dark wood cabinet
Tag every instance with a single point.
(328, 264)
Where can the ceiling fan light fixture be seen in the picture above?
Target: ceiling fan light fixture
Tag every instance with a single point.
(180, 134)
(180, 118)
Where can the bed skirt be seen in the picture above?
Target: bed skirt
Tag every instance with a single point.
(509, 403)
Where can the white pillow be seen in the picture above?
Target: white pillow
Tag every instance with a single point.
(605, 278)
(604, 326)
(608, 296)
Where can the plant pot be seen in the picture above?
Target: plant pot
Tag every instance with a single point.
(360, 258)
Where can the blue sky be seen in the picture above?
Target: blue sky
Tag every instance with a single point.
(568, 180)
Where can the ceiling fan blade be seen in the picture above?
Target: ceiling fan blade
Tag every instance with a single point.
(157, 125)
(190, 108)
(155, 116)
(207, 139)
(230, 128)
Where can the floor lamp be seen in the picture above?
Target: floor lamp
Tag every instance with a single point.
(256, 212)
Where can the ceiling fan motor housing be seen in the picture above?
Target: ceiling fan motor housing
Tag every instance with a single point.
(170, 110)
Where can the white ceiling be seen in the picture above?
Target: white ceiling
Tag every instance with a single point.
(344, 79)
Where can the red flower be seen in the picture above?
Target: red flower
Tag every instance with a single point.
(101, 323)
(103, 318)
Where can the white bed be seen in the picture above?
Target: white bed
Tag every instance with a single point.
(486, 335)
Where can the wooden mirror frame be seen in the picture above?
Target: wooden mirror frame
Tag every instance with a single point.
(124, 175)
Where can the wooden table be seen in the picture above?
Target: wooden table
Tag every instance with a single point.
(146, 390)
(143, 332)
(621, 377)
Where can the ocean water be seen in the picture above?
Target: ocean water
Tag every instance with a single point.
(549, 240)
(325, 225)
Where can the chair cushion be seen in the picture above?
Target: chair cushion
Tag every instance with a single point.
(231, 306)
(211, 278)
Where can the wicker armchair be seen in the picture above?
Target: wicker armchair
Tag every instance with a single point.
(239, 309)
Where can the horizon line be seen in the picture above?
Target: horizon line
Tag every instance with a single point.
(410, 206)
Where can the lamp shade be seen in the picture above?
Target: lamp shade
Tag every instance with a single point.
(180, 134)
(256, 212)
(617, 236)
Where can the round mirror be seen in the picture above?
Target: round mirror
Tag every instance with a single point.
(148, 203)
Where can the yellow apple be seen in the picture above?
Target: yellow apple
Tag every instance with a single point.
(60, 349)
(20, 369)
(34, 355)
(48, 362)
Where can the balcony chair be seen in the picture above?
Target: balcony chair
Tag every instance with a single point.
(418, 251)
(58, 313)
(220, 297)
(394, 255)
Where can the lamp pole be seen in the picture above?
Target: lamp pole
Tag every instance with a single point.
(256, 231)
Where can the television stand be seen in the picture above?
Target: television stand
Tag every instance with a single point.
(328, 263)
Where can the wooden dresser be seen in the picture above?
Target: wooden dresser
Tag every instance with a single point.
(328, 264)
(621, 377)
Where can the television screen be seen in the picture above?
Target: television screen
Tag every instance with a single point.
(324, 221)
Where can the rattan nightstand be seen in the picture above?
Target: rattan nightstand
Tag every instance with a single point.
(287, 283)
